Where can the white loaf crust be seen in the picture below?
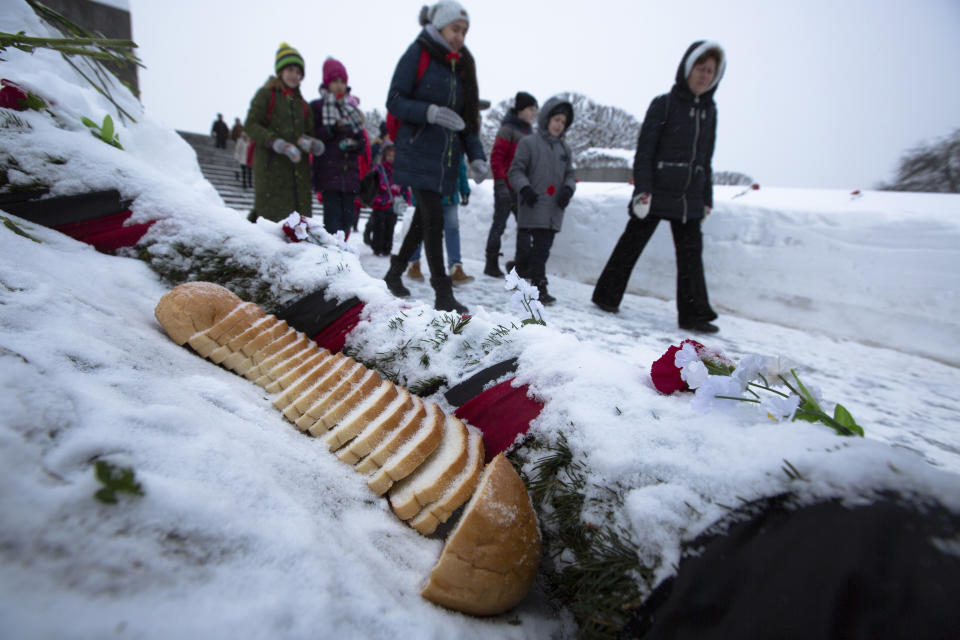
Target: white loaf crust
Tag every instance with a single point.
(430, 479)
(411, 453)
(457, 491)
(491, 558)
(192, 308)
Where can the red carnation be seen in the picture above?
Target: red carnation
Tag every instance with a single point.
(12, 97)
(664, 372)
(551, 190)
(755, 186)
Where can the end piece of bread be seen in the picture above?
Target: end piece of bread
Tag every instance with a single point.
(491, 558)
(428, 482)
(194, 307)
(457, 491)
(378, 429)
(411, 453)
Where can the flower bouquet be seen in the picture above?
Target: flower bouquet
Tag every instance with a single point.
(771, 383)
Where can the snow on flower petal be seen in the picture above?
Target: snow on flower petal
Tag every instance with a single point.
(687, 354)
(749, 368)
(707, 398)
(512, 280)
(781, 408)
(694, 373)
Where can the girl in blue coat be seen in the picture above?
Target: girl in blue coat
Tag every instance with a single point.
(434, 94)
(673, 180)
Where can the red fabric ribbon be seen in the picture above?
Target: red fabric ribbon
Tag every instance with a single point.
(551, 190)
(287, 93)
(453, 57)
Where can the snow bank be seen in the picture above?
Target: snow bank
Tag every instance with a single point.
(879, 268)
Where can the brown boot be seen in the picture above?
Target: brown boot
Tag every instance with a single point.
(414, 271)
(458, 276)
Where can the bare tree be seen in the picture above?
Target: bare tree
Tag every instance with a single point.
(933, 167)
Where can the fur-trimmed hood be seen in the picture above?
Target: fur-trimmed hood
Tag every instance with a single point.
(693, 52)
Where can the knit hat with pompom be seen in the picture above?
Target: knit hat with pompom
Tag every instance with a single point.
(287, 55)
(443, 13)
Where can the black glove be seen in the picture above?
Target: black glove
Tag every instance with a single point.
(564, 198)
(464, 199)
(528, 196)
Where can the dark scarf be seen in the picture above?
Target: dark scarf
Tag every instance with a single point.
(466, 70)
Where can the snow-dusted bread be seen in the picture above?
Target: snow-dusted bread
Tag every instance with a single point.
(297, 367)
(491, 557)
(457, 490)
(378, 429)
(431, 478)
(409, 424)
(355, 395)
(194, 308)
(324, 374)
(411, 453)
(309, 406)
(363, 413)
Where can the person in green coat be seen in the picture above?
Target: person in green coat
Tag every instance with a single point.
(279, 121)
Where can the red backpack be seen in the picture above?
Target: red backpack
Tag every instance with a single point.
(393, 122)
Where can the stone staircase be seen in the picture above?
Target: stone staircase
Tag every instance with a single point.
(221, 170)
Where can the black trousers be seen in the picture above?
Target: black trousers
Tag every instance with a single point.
(426, 226)
(382, 224)
(692, 302)
(533, 250)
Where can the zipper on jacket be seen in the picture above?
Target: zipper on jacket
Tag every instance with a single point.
(693, 155)
(453, 103)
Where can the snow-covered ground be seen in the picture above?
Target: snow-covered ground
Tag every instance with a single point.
(250, 529)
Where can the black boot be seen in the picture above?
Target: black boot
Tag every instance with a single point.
(492, 269)
(393, 279)
(443, 287)
(545, 298)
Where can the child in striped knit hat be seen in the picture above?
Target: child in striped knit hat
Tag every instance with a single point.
(280, 123)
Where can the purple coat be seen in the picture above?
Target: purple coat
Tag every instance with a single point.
(336, 169)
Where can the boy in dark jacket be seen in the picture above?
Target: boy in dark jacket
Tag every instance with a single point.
(542, 174)
(516, 124)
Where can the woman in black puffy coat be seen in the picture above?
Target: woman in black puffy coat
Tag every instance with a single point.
(434, 94)
(673, 181)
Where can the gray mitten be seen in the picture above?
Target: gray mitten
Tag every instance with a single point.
(311, 145)
(283, 147)
(444, 117)
(480, 169)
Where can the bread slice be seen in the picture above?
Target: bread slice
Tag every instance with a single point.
(264, 377)
(255, 329)
(491, 558)
(378, 428)
(191, 308)
(252, 340)
(319, 380)
(430, 479)
(236, 323)
(411, 453)
(310, 406)
(410, 423)
(297, 368)
(281, 349)
(456, 492)
(356, 396)
(361, 415)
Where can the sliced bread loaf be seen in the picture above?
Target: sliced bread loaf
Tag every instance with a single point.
(361, 415)
(410, 423)
(411, 453)
(309, 380)
(297, 368)
(431, 478)
(378, 428)
(456, 492)
(308, 407)
(192, 308)
(357, 395)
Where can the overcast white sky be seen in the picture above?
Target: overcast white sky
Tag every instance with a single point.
(818, 93)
